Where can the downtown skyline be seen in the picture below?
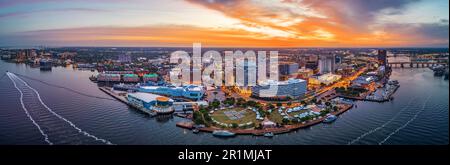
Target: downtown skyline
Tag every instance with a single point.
(225, 23)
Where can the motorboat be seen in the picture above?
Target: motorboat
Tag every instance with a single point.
(268, 134)
(223, 133)
(330, 119)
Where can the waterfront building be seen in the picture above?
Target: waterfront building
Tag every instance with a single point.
(363, 81)
(131, 78)
(118, 72)
(193, 92)
(108, 77)
(150, 77)
(382, 57)
(289, 88)
(45, 64)
(151, 102)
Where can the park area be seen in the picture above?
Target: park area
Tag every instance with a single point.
(234, 116)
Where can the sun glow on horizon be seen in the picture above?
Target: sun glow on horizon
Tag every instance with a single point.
(252, 23)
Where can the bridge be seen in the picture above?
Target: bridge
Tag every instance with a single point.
(416, 64)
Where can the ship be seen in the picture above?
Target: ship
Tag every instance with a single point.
(195, 130)
(223, 133)
(45, 64)
(268, 134)
(330, 119)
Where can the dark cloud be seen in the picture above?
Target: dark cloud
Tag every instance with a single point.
(358, 13)
(13, 14)
(425, 33)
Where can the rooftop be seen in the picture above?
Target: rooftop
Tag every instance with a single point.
(289, 81)
(146, 97)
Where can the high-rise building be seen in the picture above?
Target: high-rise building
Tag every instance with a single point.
(124, 58)
(288, 68)
(382, 57)
(326, 64)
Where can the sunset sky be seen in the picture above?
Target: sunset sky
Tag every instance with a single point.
(225, 23)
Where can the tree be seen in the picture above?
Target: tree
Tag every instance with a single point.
(335, 108)
(234, 125)
(207, 117)
(289, 103)
(303, 102)
(240, 101)
(285, 121)
(327, 104)
(270, 106)
(279, 104)
(251, 103)
(198, 118)
(215, 103)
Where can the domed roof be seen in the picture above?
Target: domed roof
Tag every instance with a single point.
(162, 99)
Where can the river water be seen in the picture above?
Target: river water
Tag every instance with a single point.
(418, 115)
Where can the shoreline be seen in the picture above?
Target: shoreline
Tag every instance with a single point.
(260, 132)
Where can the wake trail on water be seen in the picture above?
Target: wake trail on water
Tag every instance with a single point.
(4, 75)
(57, 115)
(62, 87)
(382, 126)
(28, 114)
(407, 123)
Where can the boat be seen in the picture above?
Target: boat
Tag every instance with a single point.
(153, 113)
(196, 131)
(223, 133)
(330, 119)
(268, 134)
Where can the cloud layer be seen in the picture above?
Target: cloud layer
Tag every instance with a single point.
(274, 23)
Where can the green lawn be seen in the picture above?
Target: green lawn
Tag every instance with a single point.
(249, 116)
(276, 117)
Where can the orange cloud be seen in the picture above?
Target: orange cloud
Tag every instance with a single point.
(287, 23)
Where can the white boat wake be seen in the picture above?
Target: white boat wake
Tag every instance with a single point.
(407, 123)
(28, 114)
(14, 78)
(382, 126)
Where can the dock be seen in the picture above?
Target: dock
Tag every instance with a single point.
(123, 99)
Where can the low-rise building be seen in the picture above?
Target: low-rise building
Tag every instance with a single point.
(151, 102)
(108, 77)
(326, 79)
(193, 92)
(150, 77)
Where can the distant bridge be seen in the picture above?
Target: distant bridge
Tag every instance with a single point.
(416, 64)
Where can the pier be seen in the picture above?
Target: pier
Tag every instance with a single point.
(122, 99)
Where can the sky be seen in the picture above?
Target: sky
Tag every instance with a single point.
(225, 23)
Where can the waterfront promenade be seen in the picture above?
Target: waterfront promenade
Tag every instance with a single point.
(276, 130)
